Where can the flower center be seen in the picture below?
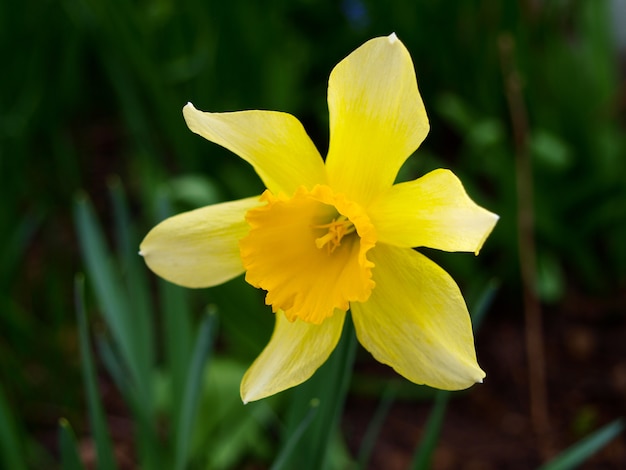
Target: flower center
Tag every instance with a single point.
(309, 253)
(338, 228)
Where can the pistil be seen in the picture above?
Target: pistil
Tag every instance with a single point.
(338, 228)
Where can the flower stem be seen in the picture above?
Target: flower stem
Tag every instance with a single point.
(526, 245)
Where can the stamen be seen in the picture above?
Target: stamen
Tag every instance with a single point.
(338, 228)
(308, 270)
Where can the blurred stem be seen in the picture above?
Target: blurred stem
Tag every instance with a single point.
(527, 254)
(328, 388)
(428, 442)
(295, 437)
(373, 430)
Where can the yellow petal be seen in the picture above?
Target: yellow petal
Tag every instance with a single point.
(432, 211)
(274, 143)
(416, 321)
(295, 351)
(377, 118)
(199, 248)
(285, 253)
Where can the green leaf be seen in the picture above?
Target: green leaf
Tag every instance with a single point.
(294, 439)
(67, 445)
(581, 451)
(130, 328)
(178, 339)
(10, 445)
(330, 386)
(136, 286)
(201, 353)
(97, 417)
(107, 285)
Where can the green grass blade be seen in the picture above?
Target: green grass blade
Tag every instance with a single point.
(581, 451)
(67, 445)
(124, 296)
(481, 306)
(107, 284)
(138, 291)
(373, 430)
(428, 442)
(119, 373)
(115, 367)
(178, 340)
(104, 448)
(177, 325)
(148, 447)
(293, 440)
(330, 386)
(332, 398)
(201, 354)
(10, 445)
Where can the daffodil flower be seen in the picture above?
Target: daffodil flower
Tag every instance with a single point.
(333, 235)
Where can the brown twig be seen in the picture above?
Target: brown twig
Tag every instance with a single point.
(526, 246)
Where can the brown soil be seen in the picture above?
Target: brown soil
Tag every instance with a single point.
(490, 427)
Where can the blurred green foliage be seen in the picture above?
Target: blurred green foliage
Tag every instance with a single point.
(94, 88)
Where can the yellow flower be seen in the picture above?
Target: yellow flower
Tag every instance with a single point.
(328, 236)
